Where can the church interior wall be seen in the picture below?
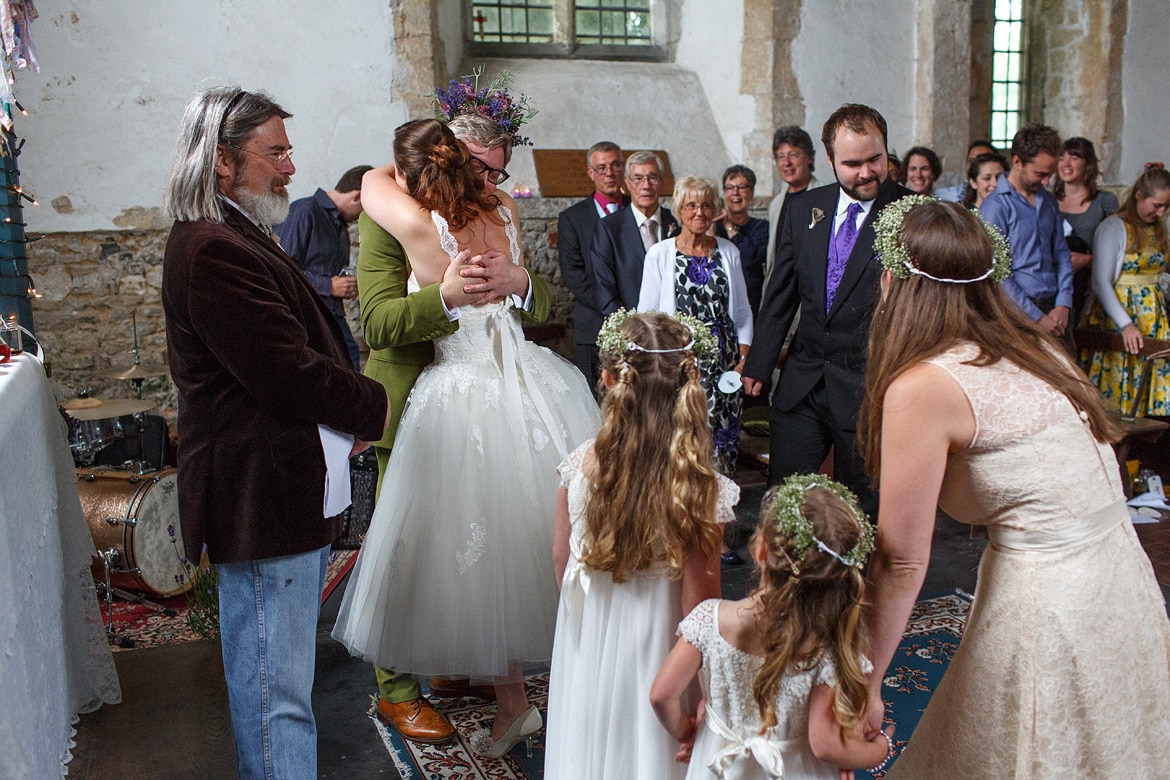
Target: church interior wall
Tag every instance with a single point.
(105, 108)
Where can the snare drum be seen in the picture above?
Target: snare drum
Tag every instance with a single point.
(137, 516)
(88, 436)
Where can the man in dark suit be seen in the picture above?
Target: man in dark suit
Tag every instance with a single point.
(825, 266)
(621, 240)
(576, 226)
(270, 409)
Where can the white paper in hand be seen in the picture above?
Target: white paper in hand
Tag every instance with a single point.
(336, 447)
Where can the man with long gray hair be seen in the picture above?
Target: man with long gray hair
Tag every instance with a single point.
(269, 411)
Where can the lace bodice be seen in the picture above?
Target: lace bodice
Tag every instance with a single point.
(474, 340)
(728, 674)
(1033, 471)
(573, 479)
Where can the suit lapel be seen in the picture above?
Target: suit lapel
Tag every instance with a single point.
(821, 233)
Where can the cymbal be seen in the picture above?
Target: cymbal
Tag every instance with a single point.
(101, 408)
(138, 371)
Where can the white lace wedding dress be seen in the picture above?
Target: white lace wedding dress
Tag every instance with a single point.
(1064, 666)
(729, 743)
(455, 576)
(611, 640)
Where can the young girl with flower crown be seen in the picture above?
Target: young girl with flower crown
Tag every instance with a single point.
(784, 670)
(636, 546)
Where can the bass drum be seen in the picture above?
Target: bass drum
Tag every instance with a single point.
(136, 516)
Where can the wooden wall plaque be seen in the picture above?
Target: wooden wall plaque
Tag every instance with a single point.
(561, 172)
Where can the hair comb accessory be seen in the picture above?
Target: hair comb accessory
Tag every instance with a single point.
(611, 340)
(463, 96)
(1154, 165)
(791, 522)
(895, 259)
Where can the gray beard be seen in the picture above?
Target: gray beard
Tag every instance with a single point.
(267, 208)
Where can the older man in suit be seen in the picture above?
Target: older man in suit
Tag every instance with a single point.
(576, 227)
(825, 266)
(621, 240)
(400, 329)
(270, 408)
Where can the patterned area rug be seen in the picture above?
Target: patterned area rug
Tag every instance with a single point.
(929, 642)
(457, 759)
(138, 625)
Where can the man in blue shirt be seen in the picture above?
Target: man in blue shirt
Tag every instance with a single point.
(1029, 216)
(316, 235)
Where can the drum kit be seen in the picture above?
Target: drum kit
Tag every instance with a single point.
(129, 494)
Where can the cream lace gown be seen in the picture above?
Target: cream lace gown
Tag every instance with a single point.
(1064, 667)
(455, 575)
(729, 743)
(611, 640)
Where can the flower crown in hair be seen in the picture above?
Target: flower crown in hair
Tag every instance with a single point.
(464, 96)
(787, 504)
(895, 259)
(611, 340)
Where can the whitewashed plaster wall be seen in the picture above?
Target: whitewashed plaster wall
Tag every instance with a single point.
(105, 108)
(870, 61)
(1146, 101)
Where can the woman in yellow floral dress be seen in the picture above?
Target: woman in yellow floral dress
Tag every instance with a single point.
(1129, 252)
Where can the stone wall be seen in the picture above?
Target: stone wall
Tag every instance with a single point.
(93, 282)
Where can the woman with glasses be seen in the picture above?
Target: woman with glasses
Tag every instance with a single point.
(700, 274)
(749, 234)
(455, 576)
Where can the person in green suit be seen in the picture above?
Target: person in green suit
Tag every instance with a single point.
(400, 328)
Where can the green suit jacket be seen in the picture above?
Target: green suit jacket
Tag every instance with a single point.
(400, 328)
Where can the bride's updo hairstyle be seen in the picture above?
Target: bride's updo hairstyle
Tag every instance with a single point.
(438, 172)
(654, 490)
(920, 317)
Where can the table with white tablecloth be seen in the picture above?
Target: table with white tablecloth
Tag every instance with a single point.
(55, 661)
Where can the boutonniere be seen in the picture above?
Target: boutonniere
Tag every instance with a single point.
(817, 216)
(672, 231)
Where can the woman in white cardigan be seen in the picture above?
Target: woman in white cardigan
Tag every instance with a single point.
(699, 274)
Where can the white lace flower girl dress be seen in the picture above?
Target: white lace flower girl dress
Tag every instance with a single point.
(611, 640)
(455, 576)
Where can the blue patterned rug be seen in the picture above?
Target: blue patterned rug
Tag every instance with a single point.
(931, 638)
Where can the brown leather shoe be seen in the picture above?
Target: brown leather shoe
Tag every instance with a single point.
(454, 687)
(416, 720)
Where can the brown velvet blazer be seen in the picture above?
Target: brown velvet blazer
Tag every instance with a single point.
(258, 362)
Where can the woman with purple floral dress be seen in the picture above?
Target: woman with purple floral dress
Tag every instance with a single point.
(699, 274)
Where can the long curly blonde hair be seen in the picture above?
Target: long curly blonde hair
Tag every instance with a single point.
(816, 613)
(654, 485)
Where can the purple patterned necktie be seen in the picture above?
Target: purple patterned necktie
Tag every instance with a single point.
(839, 252)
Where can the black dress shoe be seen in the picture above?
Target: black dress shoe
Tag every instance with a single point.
(731, 558)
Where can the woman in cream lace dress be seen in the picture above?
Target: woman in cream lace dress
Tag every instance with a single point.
(1064, 667)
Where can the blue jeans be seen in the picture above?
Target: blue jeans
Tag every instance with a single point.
(268, 611)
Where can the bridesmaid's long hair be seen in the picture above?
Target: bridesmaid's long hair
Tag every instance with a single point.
(919, 318)
(1153, 180)
(438, 172)
(653, 483)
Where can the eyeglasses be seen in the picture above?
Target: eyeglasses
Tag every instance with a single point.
(276, 158)
(494, 175)
(791, 156)
(638, 181)
(736, 187)
(615, 167)
(691, 207)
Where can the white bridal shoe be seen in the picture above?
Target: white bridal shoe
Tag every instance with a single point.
(523, 729)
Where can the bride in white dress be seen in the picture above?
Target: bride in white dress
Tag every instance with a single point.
(455, 576)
